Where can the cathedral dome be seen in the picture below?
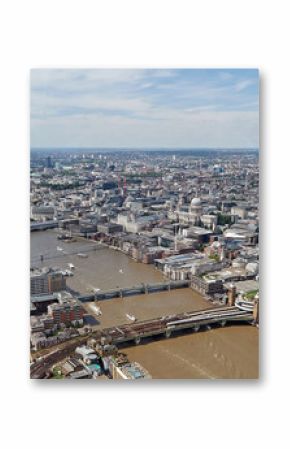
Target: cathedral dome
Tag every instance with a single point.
(195, 202)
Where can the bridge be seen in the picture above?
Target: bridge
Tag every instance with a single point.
(134, 333)
(135, 290)
(43, 225)
(167, 325)
(53, 254)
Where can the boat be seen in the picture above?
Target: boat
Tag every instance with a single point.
(71, 266)
(59, 248)
(64, 237)
(131, 317)
(67, 273)
(121, 271)
(97, 310)
(84, 256)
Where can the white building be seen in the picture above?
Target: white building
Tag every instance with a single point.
(134, 224)
(209, 221)
(192, 215)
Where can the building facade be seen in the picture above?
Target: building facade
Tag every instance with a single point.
(44, 281)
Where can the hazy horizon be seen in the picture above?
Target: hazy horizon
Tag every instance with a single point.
(176, 149)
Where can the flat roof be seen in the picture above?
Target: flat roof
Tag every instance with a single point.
(247, 286)
(200, 231)
(43, 298)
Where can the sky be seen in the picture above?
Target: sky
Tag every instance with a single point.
(144, 108)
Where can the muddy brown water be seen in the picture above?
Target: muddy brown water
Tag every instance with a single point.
(227, 353)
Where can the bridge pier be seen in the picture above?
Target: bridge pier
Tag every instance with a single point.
(256, 313)
(121, 293)
(167, 333)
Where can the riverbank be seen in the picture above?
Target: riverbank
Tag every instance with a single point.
(226, 353)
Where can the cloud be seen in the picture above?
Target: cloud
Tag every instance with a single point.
(225, 76)
(242, 85)
(222, 129)
(155, 107)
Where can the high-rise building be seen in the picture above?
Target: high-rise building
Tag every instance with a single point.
(46, 280)
(49, 163)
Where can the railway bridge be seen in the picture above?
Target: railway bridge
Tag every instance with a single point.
(167, 325)
(43, 225)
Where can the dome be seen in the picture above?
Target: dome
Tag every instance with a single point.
(195, 202)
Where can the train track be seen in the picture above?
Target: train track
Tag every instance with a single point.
(129, 332)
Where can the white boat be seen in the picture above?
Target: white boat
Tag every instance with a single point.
(95, 290)
(82, 255)
(121, 271)
(97, 310)
(131, 317)
(67, 273)
(59, 248)
(71, 266)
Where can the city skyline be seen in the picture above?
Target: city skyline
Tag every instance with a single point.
(133, 247)
(144, 221)
(144, 108)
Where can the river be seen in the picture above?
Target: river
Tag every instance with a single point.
(224, 353)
